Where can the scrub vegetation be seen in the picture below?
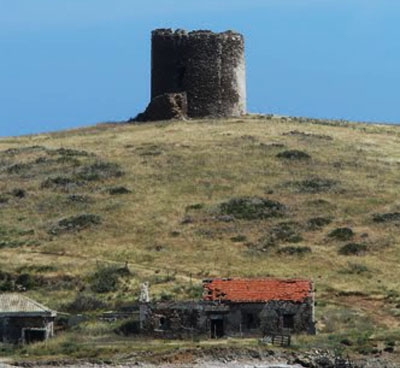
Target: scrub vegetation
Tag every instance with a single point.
(89, 214)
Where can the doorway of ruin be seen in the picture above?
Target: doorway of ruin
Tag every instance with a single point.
(217, 328)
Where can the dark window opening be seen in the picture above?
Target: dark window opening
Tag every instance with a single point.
(162, 322)
(34, 335)
(251, 321)
(288, 321)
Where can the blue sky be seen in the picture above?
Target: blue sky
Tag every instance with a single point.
(70, 63)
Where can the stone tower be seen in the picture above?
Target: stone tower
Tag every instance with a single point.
(206, 68)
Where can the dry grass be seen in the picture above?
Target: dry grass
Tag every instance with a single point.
(172, 167)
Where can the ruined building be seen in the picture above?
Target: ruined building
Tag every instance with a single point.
(23, 320)
(196, 74)
(237, 307)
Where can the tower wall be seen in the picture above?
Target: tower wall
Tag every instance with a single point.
(208, 66)
(166, 61)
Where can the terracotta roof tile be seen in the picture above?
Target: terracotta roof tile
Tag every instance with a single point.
(257, 290)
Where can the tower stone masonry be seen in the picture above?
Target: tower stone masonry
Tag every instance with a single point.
(207, 67)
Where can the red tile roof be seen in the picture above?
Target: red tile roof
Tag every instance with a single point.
(257, 290)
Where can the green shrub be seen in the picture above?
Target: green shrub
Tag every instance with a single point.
(106, 278)
(252, 208)
(294, 155)
(70, 346)
(341, 233)
(18, 168)
(118, 190)
(195, 206)
(37, 268)
(239, 238)
(353, 249)
(25, 281)
(194, 291)
(18, 193)
(75, 223)
(284, 232)
(130, 327)
(386, 217)
(165, 296)
(69, 152)
(84, 303)
(292, 250)
(355, 269)
(78, 198)
(6, 281)
(99, 170)
(59, 182)
(317, 223)
(313, 185)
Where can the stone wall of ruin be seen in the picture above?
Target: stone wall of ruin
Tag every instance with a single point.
(208, 66)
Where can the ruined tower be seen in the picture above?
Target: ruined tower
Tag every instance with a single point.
(207, 67)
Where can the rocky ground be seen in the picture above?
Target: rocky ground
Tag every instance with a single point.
(219, 358)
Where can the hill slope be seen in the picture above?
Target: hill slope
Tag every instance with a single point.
(175, 202)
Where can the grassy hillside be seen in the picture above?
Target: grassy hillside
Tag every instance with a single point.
(96, 211)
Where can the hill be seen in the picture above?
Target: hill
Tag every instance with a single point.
(89, 214)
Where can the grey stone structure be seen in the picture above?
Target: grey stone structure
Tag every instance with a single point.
(164, 107)
(22, 320)
(209, 67)
(287, 312)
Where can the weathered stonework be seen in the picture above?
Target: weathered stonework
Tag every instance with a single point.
(242, 307)
(209, 67)
(211, 319)
(164, 107)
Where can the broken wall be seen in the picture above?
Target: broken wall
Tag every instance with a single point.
(235, 319)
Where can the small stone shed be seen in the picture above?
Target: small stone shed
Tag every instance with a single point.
(260, 305)
(236, 307)
(23, 320)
